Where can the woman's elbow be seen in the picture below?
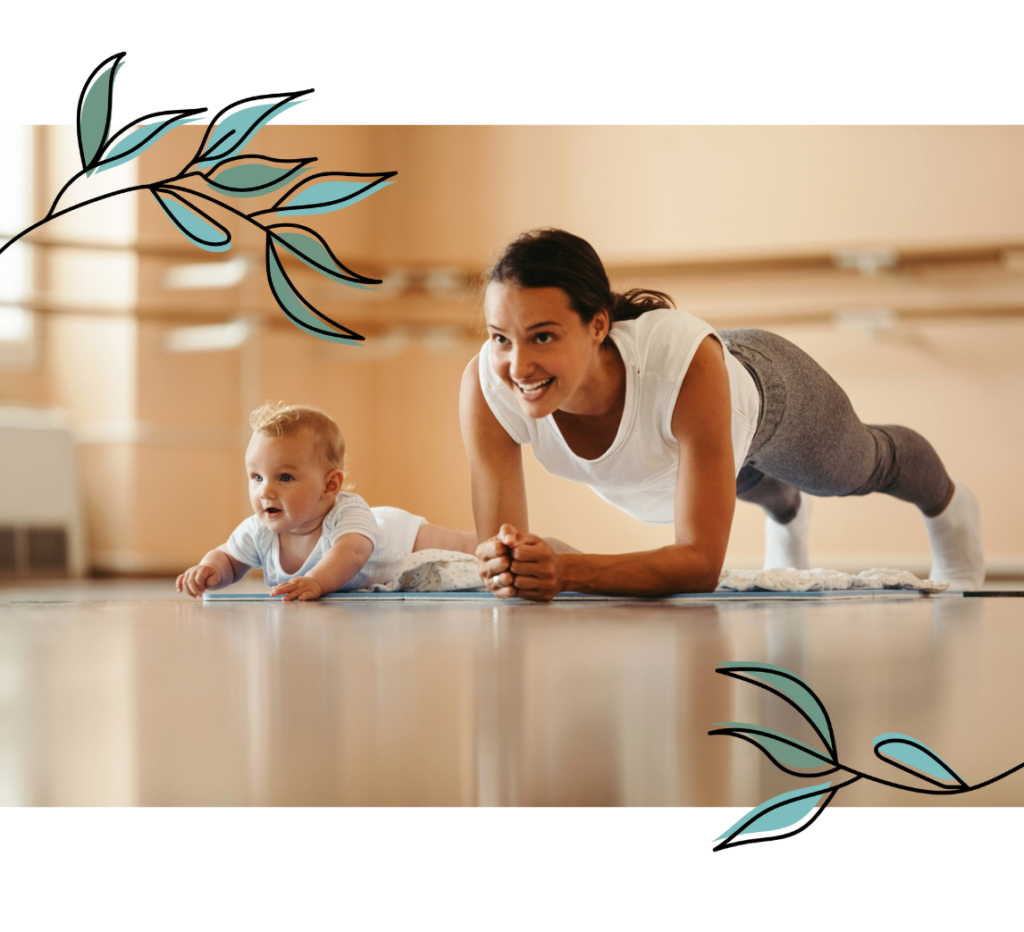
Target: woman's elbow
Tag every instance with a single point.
(707, 582)
(700, 572)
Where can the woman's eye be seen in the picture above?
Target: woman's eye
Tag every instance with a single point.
(545, 337)
(498, 338)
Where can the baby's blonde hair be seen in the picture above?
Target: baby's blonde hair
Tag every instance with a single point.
(279, 419)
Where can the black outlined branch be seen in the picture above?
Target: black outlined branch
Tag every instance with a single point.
(219, 164)
(799, 759)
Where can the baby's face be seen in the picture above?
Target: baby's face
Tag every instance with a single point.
(288, 486)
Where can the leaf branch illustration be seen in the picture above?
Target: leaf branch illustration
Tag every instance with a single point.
(769, 821)
(230, 176)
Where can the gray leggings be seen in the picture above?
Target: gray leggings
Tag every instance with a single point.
(809, 439)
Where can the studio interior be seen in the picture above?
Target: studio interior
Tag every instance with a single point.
(130, 361)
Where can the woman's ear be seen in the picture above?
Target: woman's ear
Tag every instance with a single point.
(600, 324)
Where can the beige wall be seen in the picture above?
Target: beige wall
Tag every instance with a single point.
(668, 193)
(162, 433)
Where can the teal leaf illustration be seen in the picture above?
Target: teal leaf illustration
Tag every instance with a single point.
(311, 248)
(253, 175)
(779, 748)
(197, 226)
(913, 757)
(297, 309)
(327, 191)
(234, 127)
(94, 107)
(788, 686)
(778, 813)
(129, 143)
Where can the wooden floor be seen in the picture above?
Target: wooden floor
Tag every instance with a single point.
(124, 693)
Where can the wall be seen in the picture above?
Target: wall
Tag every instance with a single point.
(163, 432)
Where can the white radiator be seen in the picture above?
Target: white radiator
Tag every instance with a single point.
(40, 516)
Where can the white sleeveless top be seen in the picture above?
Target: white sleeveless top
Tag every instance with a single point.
(637, 473)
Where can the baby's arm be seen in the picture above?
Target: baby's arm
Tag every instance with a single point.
(215, 571)
(342, 562)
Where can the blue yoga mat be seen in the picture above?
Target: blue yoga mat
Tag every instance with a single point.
(485, 597)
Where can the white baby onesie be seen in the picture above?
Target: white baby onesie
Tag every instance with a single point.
(391, 530)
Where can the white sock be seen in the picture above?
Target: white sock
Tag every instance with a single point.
(785, 545)
(955, 538)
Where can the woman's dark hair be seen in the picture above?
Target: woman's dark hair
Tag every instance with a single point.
(555, 259)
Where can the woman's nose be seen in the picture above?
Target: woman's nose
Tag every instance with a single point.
(520, 364)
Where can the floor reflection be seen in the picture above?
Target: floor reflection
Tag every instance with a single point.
(174, 703)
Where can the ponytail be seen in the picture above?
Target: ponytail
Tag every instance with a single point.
(637, 301)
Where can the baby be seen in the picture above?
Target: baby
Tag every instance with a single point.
(309, 536)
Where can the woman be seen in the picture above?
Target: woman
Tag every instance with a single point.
(671, 422)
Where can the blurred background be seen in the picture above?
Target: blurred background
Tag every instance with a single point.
(130, 360)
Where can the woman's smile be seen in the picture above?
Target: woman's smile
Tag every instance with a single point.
(531, 391)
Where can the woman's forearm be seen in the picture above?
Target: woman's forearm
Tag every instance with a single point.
(665, 571)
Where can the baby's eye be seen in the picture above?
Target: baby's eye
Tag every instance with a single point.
(286, 477)
(256, 478)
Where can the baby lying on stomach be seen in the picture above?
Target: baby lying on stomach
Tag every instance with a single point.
(308, 535)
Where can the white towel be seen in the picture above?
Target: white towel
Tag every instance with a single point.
(790, 580)
(451, 571)
(434, 571)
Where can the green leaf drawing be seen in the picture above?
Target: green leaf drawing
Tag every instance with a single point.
(235, 125)
(900, 750)
(199, 227)
(94, 106)
(310, 247)
(125, 145)
(297, 309)
(253, 175)
(327, 191)
(778, 813)
(781, 749)
(789, 686)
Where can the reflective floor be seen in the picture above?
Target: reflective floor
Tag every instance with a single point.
(123, 693)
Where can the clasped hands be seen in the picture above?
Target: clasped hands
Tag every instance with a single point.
(513, 563)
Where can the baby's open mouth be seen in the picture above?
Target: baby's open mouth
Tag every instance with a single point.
(272, 511)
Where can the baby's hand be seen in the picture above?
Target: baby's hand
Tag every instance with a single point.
(196, 579)
(303, 588)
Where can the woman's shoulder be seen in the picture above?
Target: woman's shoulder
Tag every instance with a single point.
(671, 320)
(664, 336)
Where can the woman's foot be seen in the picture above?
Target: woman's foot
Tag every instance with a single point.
(785, 545)
(955, 538)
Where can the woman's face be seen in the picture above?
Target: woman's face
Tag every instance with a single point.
(540, 347)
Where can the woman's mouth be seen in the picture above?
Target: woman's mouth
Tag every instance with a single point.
(533, 390)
